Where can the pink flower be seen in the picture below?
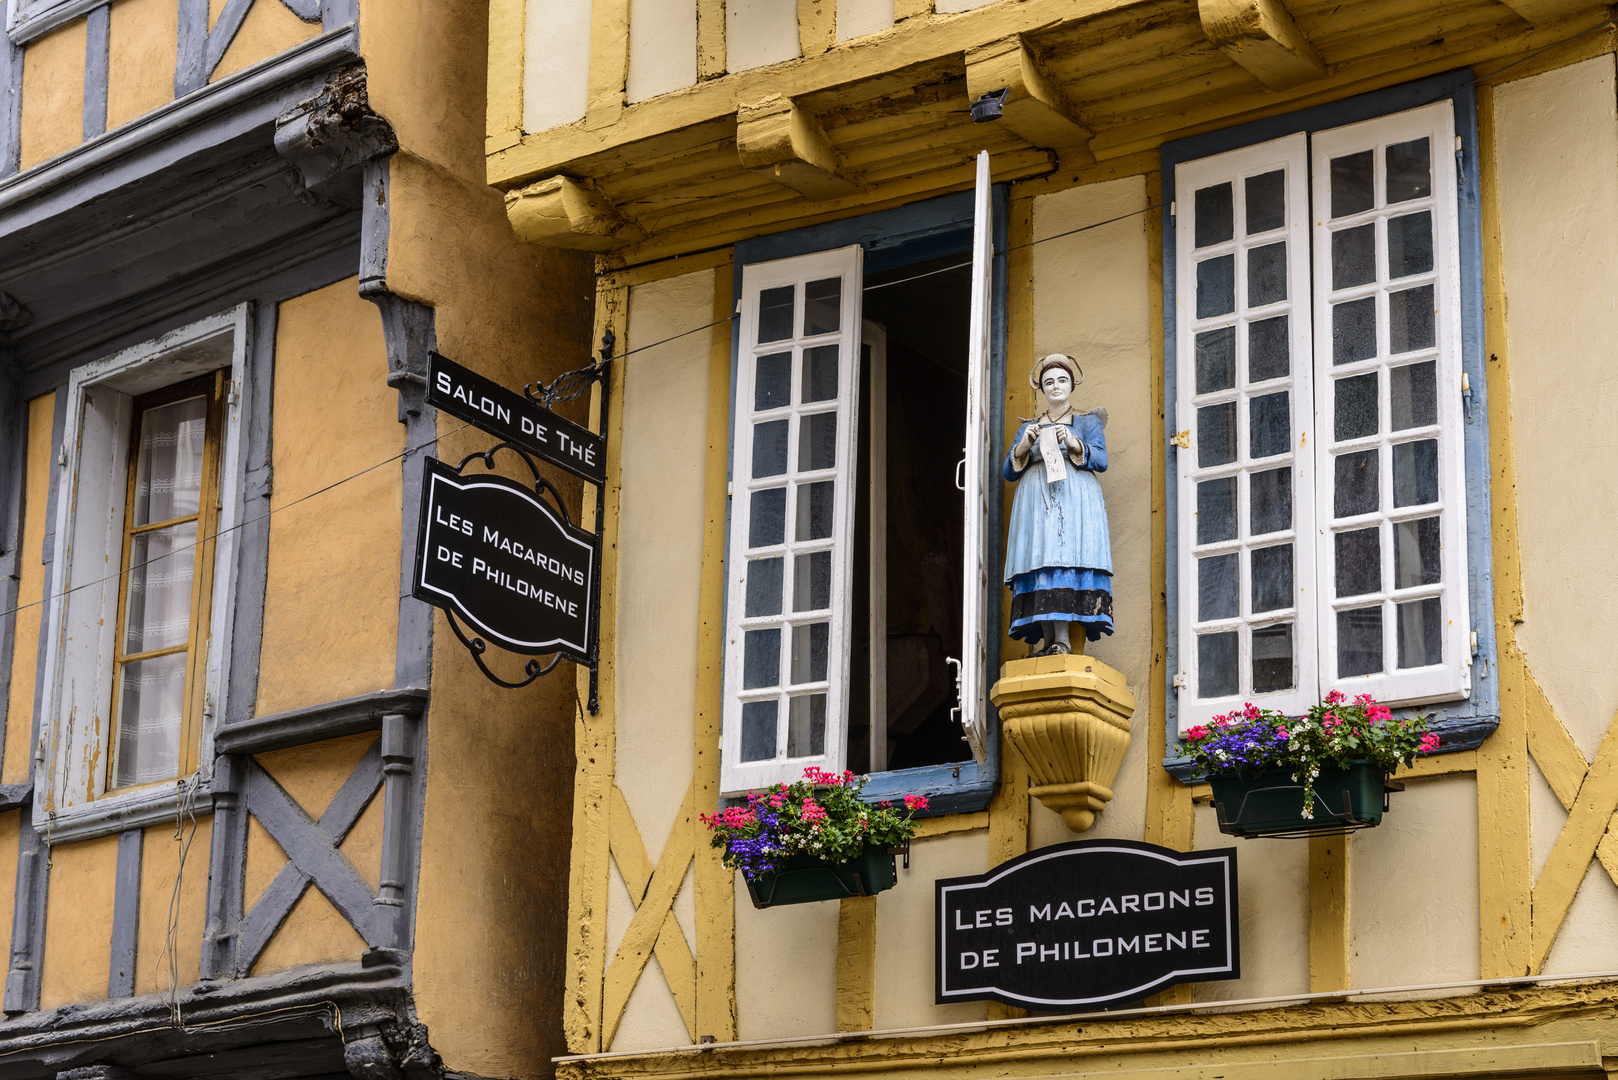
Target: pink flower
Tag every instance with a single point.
(1251, 711)
(1195, 732)
(1375, 713)
(1281, 733)
(915, 802)
(812, 812)
(1364, 699)
(1429, 743)
(1335, 697)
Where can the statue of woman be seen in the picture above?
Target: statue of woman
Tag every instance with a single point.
(1058, 554)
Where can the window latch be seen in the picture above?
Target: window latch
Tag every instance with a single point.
(1466, 396)
(1182, 439)
(960, 475)
(1179, 681)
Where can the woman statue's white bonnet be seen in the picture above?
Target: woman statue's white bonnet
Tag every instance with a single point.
(1061, 360)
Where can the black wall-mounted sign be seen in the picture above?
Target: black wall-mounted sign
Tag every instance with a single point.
(494, 553)
(464, 393)
(1088, 924)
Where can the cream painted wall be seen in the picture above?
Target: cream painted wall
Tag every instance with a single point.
(1586, 941)
(1556, 149)
(760, 32)
(662, 47)
(949, 7)
(1272, 881)
(786, 968)
(556, 63)
(856, 18)
(904, 933)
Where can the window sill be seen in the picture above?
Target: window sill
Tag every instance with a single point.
(950, 789)
(41, 19)
(118, 812)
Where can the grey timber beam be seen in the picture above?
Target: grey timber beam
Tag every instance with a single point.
(1035, 109)
(218, 39)
(227, 871)
(1261, 36)
(253, 549)
(783, 140)
(562, 212)
(11, 106)
(399, 741)
(339, 13)
(314, 723)
(125, 914)
(191, 48)
(97, 50)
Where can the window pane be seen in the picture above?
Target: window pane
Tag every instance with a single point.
(772, 381)
(1267, 275)
(820, 373)
(1357, 488)
(1410, 171)
(767, 518)
(1216, 665)
(1216, 434)
(1359, 642)
(1216, 360)
(1421, 637)
(151, 702)
(1272, 578)
(811, 581)
(1415, 553)
(806, 726)
(764, 587)
(168, 470)
(1353, 256)
(1270, 498)
(1216, 287)
(809, 649)
(769, 449)
(1353, 331)
(1410, 244)
(1269, 430)
(1412, 322)
(1216, 510)
(758, 730)
(1359, 562)
(1415, 473)
(1351, 182)
(1413, 391)
(1272, 658)
(1215, 215)
(814, 511)
(775, 314)
(157, 605)
(822, 307)
(817, 442)
(1355, 407)
(1268, 349)
(1266, 202)
(761, 658)
(1216, 587)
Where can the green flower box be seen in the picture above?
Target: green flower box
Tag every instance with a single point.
(1271, 803)
(804, 879)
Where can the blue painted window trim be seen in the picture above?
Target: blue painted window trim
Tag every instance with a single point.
(894, 238)
(1463, 725)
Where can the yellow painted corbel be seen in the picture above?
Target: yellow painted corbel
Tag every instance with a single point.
(1259, 35)
(782, 140)
(566, 213)
(1034, 109)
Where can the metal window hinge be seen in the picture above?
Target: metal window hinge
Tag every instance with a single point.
(1474, 641)
(1460, 163)
(1174, 209)
(61, 456)
(1466, 396)
(1182, 439)
(1179, 681)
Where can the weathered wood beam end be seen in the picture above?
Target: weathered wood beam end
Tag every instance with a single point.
(1035, 109)
(782, 140)
(565, 213)
(1260, 36)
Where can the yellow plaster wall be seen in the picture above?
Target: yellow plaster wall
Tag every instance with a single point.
(53, 94)
(161, 869)
(10, 828)
(903, 994)
(313, 933)
(142, 40)
(334, 414)
(270, 28)
(1272, 882)
(78, 922)
(30, 588)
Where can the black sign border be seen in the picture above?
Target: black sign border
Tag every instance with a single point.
(1232, 912)
(436, 469)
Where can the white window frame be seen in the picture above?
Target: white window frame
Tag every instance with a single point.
(27, 20)
(81, 609)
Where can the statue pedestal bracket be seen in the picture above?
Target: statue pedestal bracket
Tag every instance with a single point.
(1068, 716)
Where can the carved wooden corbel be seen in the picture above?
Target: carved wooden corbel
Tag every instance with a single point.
(566, 213)
(784, 141)
(1034, 109)
(1259, 35)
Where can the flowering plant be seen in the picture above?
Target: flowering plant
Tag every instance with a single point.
(1334, 734)
(821, 815)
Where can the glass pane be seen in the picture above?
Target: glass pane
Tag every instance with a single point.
(1216, 360)
(1353, 331)
(1269, 430)
(772, 381)
(806, 726)
(1359, 562)
(822, 307)
(157, 606)
(1216, 287)
(1413, 391)
(151, 704)
(1353, 256)
(1351, 184)
(1216, 587)
(764, 587)
(1272, 658)
(767, 518)
(1421, 637)
(769, 449)
(1215, 215)
(811, 581)
(1268, 350)
(1216, 434)
(1266, 202)
(1415, 473)
(820, 373)
(1355, 407)
(1357, 488)
(1359, 642)
(809, 648)
(1410, 244)
(1410, 171)
(761, 658)
(775, 308)
(1216, 510)
(1266, 275)
(817, 442)
(1412, 322)
(758, 730)
(1272, 578)
(1415, 553)
(1216, 665)
(814, 511)
(168, 471)
(1270, 495)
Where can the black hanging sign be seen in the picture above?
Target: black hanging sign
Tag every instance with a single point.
(1088, 924)
(464, 393)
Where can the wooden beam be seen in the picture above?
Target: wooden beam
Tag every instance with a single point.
(1328, 913)
(1034, 109)
(564, 213)
(1259, 35)
(783, 140)
(1545, 11)
(856, 963)
(710, 39)
(504, 120)
(609, 62)
(817, 26)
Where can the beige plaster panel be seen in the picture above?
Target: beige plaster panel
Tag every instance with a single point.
(313, 773)
(651, 1019)
(1272, 881)
(1413, 888)
(270, 28)
(904, 933)
(339, 551)
(10, 826)
(1556, 152)
(760, 32)
(30, 588)
(856, 18)
(53, 94)
(1586, 941)
(660, 519)
(1546, 817)
(140, 65)
(167, 862)
(78, 922)
(556, 63)
(786, 968)
(950, 7)
(662, 47)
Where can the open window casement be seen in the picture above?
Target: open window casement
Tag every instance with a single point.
(972, 667)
